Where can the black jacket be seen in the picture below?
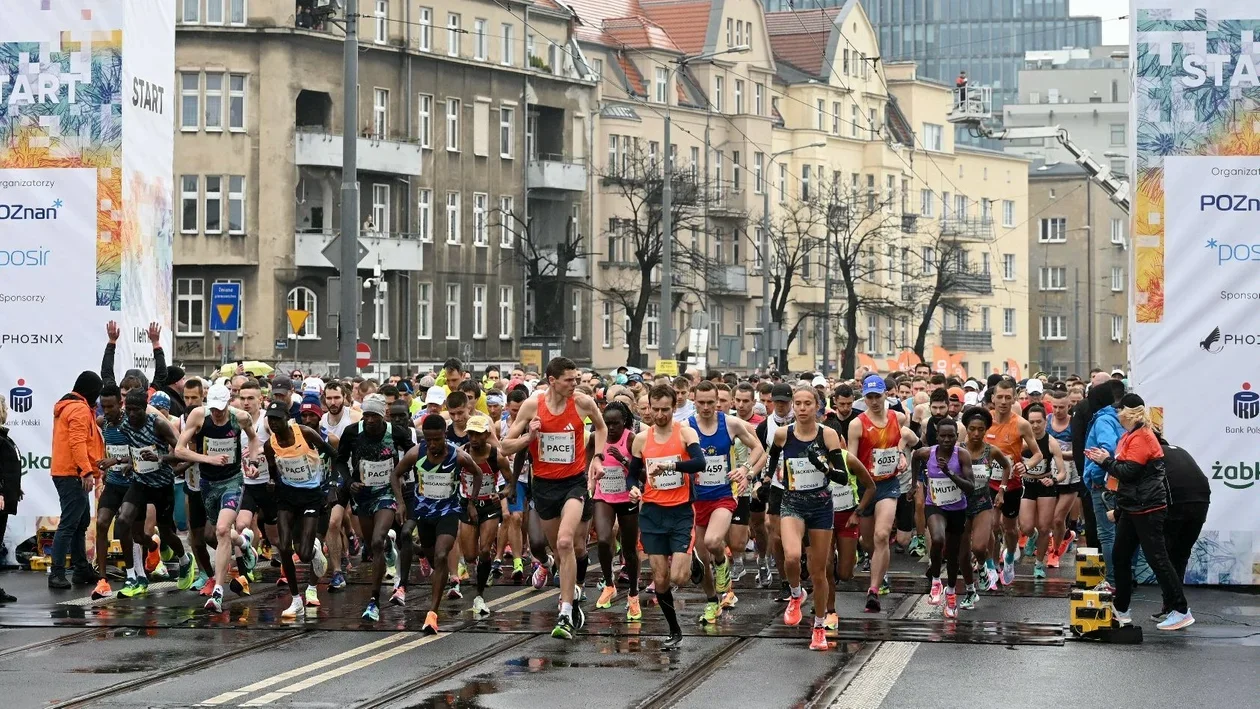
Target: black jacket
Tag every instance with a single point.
(10, 472)
(1139, 469)
(1186, 482)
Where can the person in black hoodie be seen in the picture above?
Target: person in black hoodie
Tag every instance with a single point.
(10, 484)
(1191, 494)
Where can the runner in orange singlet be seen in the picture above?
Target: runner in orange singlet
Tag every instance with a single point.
(1010, 433)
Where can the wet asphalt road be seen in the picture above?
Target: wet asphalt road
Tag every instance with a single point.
(164, 650)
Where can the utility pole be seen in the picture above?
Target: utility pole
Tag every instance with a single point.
(665, 348)
(826, 339)
(348, 320)
(1076, 322)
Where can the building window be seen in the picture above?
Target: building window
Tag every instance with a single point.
(805, 170)
(380, 303)
(507, 311)
(236, 12)
(214, 102)
(985, 325)
(380, 208)
(189, 101)
(453, 218)
(846, 62)
(1008, 321)
(739, 96)
(303, 298)
(236, 102)
(214, 12)
(452, 34)
(424, 311)
(1117, 328)
(452, 311)
(853, 120)
(736, 178)
(1117, 232)
(820, 113)
(717, 93)
(381, 18)
(527, 328)
(759, 237)
(507, 229)
(192, 12)
(425, 36)
(424, 215)
(835, 118)
(452, 125)
(380, 113)
(236, 204)
(188, 204)
(481, 234)
(1118, 134)
(508, 44)
(425, 124)
(872, 334)
(190, 307)
(660, 87)
(507, 133)
(479, 312)
(929, 261)
(480, 50)
(782, 182)
(576, 307)
(1008, 267)
(1117, 279)
(1052, 327)
(651, 325)
(1053, 278)
(1008, 213)
(933, 137)
(927, 203)
(758, 164)
(1119, 166)
(1053, 230)
(606, 324)
(214, 204)
(759, 99)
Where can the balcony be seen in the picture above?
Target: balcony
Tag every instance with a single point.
(967, 228)
(726, 203)
(967, 340)
(318, 148)
(968, 281)
(727, 280)
(548, 264)
(910, 223)
(553, 172)
(393, 252)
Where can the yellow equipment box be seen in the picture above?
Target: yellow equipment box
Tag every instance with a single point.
(1090, 611)
(1091, 570)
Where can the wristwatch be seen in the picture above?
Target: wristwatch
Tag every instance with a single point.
(600, 456)
(1002, 487)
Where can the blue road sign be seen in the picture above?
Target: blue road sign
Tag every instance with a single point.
(225, 307)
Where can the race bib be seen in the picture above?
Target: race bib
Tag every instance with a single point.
(944, 492)
(885, 462)
(1035, 472)
(714, 472)
(558, 448)
(487, 485)
(671, 480)
(995, 473)
(296, 470)
(192, 477)
(118, 452)
(979, 471)
(223, 446)
(842, 497)
(375, 473)
(437, 485)
(142, 466)
(803, 475)
(614, 480)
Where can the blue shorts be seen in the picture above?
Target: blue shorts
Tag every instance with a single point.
(889, 489)
(369, 501)
(666, 530)
(814, 509)
(522, 491)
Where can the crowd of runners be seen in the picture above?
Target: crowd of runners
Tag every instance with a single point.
(799, 481)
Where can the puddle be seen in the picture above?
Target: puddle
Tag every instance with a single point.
(115, 669)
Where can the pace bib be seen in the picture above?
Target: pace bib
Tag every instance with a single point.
(557, 448)
(296, 470)
(375, 473)
(667, 480)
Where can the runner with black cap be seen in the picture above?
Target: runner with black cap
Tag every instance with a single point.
(769, 493)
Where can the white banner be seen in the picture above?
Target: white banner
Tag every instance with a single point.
(87, 99)
(1196, 208)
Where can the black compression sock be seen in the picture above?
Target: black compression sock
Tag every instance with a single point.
(483, 576)
(583, 562)
(666, 601)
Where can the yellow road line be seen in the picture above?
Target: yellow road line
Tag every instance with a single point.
(528, 601)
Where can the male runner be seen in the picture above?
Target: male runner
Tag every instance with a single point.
(194, 393)
(744, 401)
(513, 546)
(478, 532)
(257, 499)
(117, 466)
(1011, 434)
(1041, 487)
(551, 426)
(337, 416)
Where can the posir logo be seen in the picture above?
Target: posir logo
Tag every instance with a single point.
(21, 397)
(1217, 341)
(1247, 403)
(1236, 476)
(22, 212)
(24, 257)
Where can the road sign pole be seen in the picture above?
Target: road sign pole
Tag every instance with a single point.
(348, 321)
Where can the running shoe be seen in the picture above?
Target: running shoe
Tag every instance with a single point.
(1008, 572)
(951, 605)
(391, 554)
(462, 571)
(281, 581)
(606, 597)
(152, 560)
(167, 553)
(884, 588)
(430, 626)
(319, 562)
(1052, 558)
(722, 577)
(518, 570)
(399, 597)
(651, 588)
(479, 608)
(207, 589)
(240, 586)
(338, 582)
(872, 601)
(818, 638)
(295, 610)
(1125, 618)
(426, 569)
(792, 614)
(938, 590)
(579, 593)
(372, 613)
(356, 546)
(160, 571)
(540, 576)
(697, 568)
(990, 577)
(671, 643)
(248, 559)
(1067, 541)
(739, 569)
(832, 621)
(866, 563)
(312, 596)
(135, 586)
(917, 546)
(729, 599)
(784, 594)
(968, 602)
(453, 592)
(1104, 586)
(1039, 570)
(563, 629)
(214, 604)
(496, 569)
(103, 590)
(710, 614)
(187, 573)
(633, 611)
(763, 576)
(507, 552)
(1030, 547)
(1176, 620)
(579, 616)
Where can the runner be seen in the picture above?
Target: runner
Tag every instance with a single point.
(1010, 434)
(613, 505)
(989, 463)
(716, 488)
(744, 402)
(336, 489)
(337, 416)
(438, 504)
(846, 499)
(293, 451)
(551, 426)
(772, 495)
(812, 455)
(666, 517)
(479, 531)
(877, 438)
(944, 470)
(1060, 428)
(194, 393)
(1040, 485)
(513, 522)
(367, 454)
(258, 502)
(117, 467)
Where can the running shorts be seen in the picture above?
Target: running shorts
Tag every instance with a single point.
(774, 506)
(369, 501)
(217, 495)
(743, 511)
(889, 489)
(905, 513)
(486, 510)
(621, 509)
(162, 498)
(813, 509)
(261, 500)
(840, 523)
(522, 493)
(112, 496)
(196, 508)
(429, 528)
(1034, 490)
(704, 509)
(550, 496)
(955, 520)
(664, 530)
(300, 501)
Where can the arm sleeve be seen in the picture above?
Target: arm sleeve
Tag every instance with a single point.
(159, 368)
(107, 364)
(694, 462)
(838, 470)
(634, 473)
(772, 461)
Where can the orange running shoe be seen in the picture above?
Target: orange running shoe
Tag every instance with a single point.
(818, 639)
(102, 590)
(151, 560)
(606, 597)
(430, 624)
(208, 589)
(792, 614)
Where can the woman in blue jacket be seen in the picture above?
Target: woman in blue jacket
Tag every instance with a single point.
(1104, 432)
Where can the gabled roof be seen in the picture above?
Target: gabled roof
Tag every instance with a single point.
(804, 38)
(639, 33)
(634, 80)
(687, 21)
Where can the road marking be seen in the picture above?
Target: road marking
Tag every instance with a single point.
(88, 602)
(876, 678)
(529, 601)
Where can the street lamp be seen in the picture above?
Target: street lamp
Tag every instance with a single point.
(765, 247)
(666, 347)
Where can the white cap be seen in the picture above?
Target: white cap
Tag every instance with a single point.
(1115, 372)
(218, 397)
(971, 398)
(435, 395)
(819, 381)
(971, 385)
(313, 384)
(1036, 387)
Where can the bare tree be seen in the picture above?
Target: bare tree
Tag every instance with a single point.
(936, 273)
(796, 233)
(546, 256)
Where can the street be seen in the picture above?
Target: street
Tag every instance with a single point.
(164, 650)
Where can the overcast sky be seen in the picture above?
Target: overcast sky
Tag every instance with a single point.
(1114, 31)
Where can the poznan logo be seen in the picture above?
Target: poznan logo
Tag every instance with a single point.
(23, 212)
(1237, 476)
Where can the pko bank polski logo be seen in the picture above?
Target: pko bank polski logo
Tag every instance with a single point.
(26, 213)
(1247, 403)
(21, 397)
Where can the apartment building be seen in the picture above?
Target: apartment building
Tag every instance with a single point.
(472, 139)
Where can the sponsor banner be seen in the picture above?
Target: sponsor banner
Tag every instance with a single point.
(1196, 221)
(86, 90)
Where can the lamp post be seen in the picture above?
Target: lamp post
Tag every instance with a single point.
(666, 347)
(765, 248)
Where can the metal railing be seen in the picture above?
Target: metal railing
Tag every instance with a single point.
(967, 340)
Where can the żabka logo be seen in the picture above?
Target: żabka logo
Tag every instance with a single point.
(1236, 476)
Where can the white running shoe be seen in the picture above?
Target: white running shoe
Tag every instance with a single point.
(479, 607)
(295, 610)
(319, 562)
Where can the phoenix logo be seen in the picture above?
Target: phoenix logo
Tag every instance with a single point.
(1212, 343)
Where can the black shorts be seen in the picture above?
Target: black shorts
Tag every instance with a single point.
(905, 513)
(1010, 503)
(196, 508)
(486, 510)
(337, 494)
(430, 528)
(955, 520)
(743, 511)
(621, 509)
(112, 497)
(162, 498)
(549, 496)
(756, 506)
(260, 500)
(299, 501)
(774, 506)
(665, 531)
(1035, 491)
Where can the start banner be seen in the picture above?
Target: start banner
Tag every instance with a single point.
(1196, 221)
(86, 141)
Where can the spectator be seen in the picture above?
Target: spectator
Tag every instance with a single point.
(77, 447)
(1191, 493)
(10, 485)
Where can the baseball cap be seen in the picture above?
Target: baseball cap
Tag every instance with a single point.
(635, 377)
(313, 384)
(160, 400)
(781, 392)
(1117, 373)
(426, 381)
(873, 384)
(819, 381)
(434, 395)
(374, 404)
(277, 410)
(218, 397)
(1036, 387)
(956, 394)
(971, 385)
(478, 424)
(971, 399)
(281, 382)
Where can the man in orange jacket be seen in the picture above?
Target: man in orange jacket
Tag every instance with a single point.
(77, 448)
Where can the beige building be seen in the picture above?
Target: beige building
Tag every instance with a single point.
(472, 137)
